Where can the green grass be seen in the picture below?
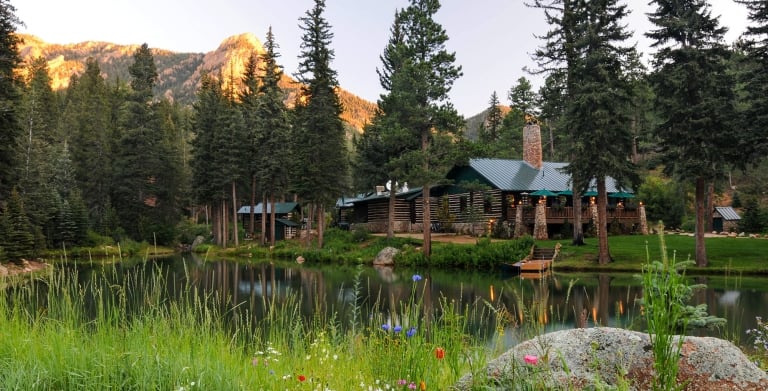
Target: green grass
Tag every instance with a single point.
(726, 255)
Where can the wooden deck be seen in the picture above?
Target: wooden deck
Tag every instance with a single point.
(538, 260)
(536, 265)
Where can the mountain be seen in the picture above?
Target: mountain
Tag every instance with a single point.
(178, 73)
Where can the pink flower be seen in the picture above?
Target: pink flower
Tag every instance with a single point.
(529, 359)
(412, 386)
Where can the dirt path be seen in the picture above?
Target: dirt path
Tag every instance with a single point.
(439, 237)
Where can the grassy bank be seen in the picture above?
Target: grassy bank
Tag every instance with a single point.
(726, 255)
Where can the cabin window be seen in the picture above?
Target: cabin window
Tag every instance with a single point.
(463, 203)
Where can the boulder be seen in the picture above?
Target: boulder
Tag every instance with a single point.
(386, 257)
(198, 241)
(603, 357)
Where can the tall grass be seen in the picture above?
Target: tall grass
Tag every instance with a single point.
(137, 330)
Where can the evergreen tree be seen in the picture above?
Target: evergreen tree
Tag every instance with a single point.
(144, 174)
(321, 153)
(599, 108)
(211, 180)
(754, 82)
(39, 117)
(421, 88)
(10, 129)
(385, 139)
(523, 98)
(18, 240)
(694, 100)
(249, 102)
(87, 119)
(274, 127)
(489, 129)
(558, 57)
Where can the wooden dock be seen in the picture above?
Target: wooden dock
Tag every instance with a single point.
(538, 260)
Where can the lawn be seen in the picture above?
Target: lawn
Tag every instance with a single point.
(739, 255)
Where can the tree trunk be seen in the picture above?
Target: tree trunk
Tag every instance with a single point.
(427, 220)
(264, 215)
(604, 254)
(578, 227)
(308, 239)
(272, 225)
(224, 223)
(701, 215)
(710, 206)
(235, 233)
(391, 217)
(252, 213)
(320, 225)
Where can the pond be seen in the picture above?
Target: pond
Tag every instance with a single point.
(494, 305)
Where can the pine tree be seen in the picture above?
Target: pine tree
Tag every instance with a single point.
(18, 242)
(489, 129)
(694, 99)
(523, 98)
(558, 57)
(600, 106)
(87, 119)
(754, 81)
(11, 133)
(274, 127)
(385, 139)
(322, 171)
(143, 169)
(421, 88)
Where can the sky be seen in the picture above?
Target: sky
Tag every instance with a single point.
(493, 39)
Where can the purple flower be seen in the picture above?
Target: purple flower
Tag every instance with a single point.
(397, 329)
(416, 278)
(411, 332)
(385, 327)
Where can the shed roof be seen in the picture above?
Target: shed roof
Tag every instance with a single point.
(280, 208)
(727, 213)
(519, 175)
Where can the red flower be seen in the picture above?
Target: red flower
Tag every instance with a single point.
(439, 353)
(302, 378)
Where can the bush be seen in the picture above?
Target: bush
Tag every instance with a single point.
(94, 239)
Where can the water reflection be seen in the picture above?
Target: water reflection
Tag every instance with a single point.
(495, 307)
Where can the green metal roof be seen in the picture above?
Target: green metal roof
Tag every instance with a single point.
(728, 213)
(280, 208)
(518, 175)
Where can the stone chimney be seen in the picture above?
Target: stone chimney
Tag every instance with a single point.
(532, 145)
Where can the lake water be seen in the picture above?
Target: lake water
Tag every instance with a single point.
(496, 305)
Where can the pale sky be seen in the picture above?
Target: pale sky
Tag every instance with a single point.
(492, 39)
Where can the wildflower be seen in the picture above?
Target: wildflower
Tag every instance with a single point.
(302, 378)
(398, 329)
(423, 386)
(439, 353)
(411, 332)
(402, 382)
(412, 386)
(255, 361)
(529, 359)
(416, 278)
(385, 327)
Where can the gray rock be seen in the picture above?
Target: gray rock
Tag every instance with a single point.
(594, 358)
(198, 241)
(386, 257)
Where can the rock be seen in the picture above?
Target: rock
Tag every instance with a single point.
(198, 241)
(386, 257)
(300, 259)
(579, 358)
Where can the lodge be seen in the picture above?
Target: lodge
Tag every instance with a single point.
(528, 196)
